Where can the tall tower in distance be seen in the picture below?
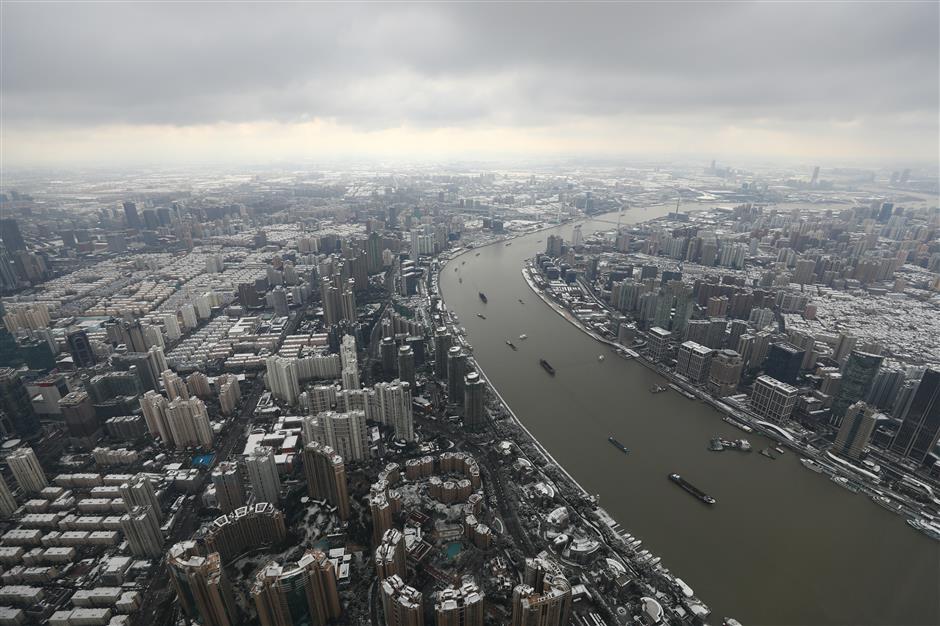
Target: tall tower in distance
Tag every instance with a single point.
(10, 234)
(131, 216)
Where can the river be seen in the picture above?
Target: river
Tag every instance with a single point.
(783, 545)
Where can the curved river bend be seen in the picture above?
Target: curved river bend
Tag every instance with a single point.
(782, 546)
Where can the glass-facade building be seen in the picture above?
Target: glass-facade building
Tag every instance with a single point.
(857, 378)
(920, 429)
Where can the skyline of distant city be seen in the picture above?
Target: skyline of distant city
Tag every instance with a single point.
(244, 82)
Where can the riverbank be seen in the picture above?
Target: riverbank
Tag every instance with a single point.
(546, 455)
(608, 530)
(716, 550)
(565, 313)
(833, 466)
(535, 442)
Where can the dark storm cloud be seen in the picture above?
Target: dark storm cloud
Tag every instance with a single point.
(375, 66)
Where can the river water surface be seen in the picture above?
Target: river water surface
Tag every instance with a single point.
(783, 545)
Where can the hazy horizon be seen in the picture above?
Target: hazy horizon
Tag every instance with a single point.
(100, 84)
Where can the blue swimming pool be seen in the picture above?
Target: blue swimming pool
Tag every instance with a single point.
(453, 549)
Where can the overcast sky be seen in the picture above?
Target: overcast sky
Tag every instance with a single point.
(128, 82)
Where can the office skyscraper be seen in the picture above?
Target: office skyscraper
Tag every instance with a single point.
(920, 429)
(442, 344)
(474, 409)
(389, 356)
(903, 400)
(753, 349)
(80, 348)
(248, 296)
(855, 432)
(374, 253)
(783, 362)
(147, 366)
(456, 370)
(843, 347)
(857, 378)
(724, 373)
(886, 386)
(406, 365)
(80, 419)
(131, 216)
(658, 343)
(10, 234)
(693, 361)
(884, 214)
(773, 399)
(684, 305)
